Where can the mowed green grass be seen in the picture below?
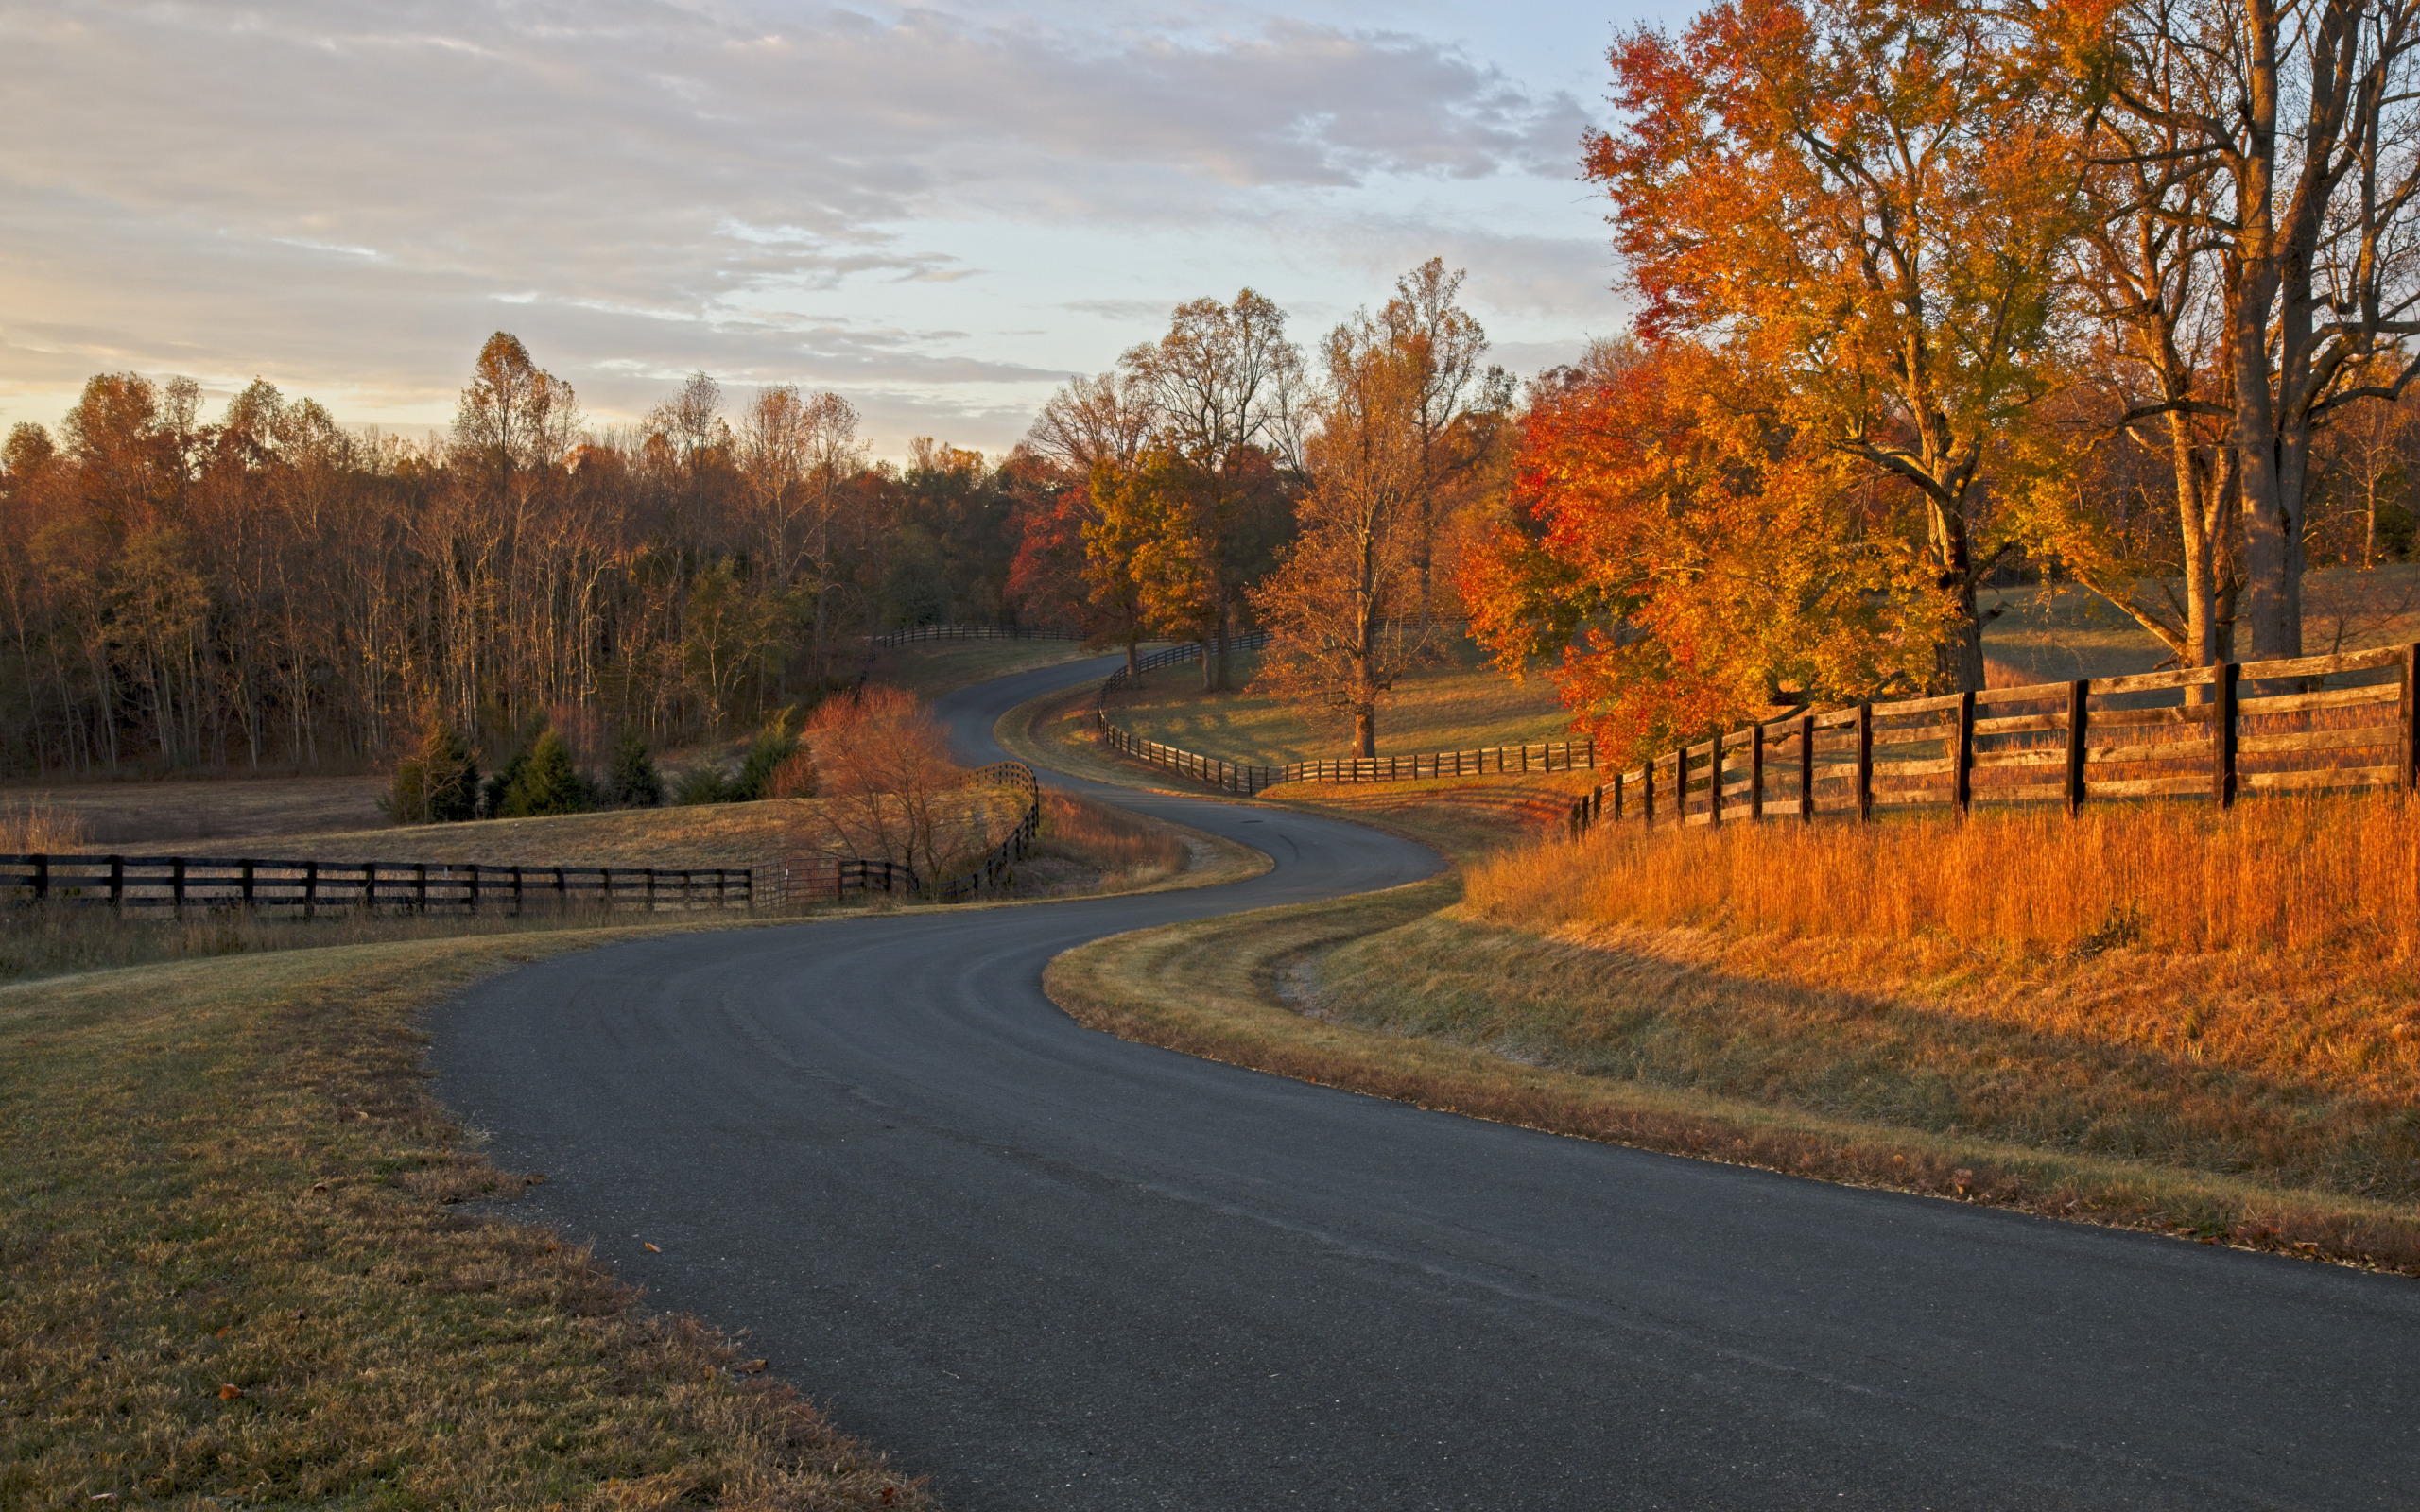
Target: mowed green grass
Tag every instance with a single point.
(244, 1260)
(1464, 704)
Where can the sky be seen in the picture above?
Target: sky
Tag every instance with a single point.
(941, 213)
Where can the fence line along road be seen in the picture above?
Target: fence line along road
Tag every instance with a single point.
(1248, 778)
(2213, 731)
(306, 887)
(970, 632)
(309, 887)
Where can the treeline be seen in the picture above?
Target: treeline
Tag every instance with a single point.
(266, 588)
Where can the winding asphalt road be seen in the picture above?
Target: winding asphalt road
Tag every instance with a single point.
(1052, 1269)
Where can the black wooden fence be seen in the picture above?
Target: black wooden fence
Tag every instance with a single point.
(915, 633)
(1246, 777)
(2213, 731)
(310, 888)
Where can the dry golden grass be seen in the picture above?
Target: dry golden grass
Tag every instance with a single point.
(1099, 848)
(230, 1274)
(929, 669)
(33, 827)
(169, 816)
(1336, 993)
(2302, 873)
(1462, 705)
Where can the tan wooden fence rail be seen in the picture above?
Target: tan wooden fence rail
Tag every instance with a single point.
(970, 632)
(308, 888)
(2344, 721)
(1247, 777)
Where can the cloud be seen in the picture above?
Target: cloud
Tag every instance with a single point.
(352, 194)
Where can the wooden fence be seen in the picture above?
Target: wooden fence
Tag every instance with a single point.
(915, 633)
(1247, 778)
(2344, 721)
(310, 888)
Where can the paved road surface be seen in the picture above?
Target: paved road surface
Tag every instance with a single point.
(1054, 1269)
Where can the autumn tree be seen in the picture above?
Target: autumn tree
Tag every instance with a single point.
(1453, 400)
(1224, 389)
(890, 790)
(1347, 605)
(2302, 121)
(1862, 201)
(1685, 560)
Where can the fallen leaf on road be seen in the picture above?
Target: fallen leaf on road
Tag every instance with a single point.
(652, 1249)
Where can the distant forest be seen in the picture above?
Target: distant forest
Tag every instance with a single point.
(271, 590)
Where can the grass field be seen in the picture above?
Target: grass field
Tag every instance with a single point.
(1461, 705)
(2057, 634)
(245, 1261)
(932, 669)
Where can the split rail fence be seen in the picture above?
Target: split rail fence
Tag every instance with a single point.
(2344, 721)
(308, 888)
(915, 633)
(1248, 778)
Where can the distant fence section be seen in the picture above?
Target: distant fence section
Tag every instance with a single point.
(309, 889)
(916, 633)
(2345, 721)
(1247, 778)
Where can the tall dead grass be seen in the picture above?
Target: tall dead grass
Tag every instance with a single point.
(40, 829)
(1126, 850)
(2305, 873)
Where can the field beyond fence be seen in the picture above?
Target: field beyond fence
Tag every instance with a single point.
(1248, 778)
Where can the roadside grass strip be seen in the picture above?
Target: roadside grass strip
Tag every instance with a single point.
(1385, 994)
(246, 1261)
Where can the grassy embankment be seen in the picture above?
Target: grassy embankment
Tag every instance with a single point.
(2166, 1018)
(231, 1272)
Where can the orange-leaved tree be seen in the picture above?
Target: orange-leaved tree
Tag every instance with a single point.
(1346, 605)
(1864, 201)
(890, 790)
(1688, 562)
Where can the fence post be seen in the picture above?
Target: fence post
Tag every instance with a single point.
(1756, 772)
(177, 883)
(247, 883)
(369, 886)
(475, 887)
(1714, 782)
(42, 878)
(605, 890)
(1648, 777)
(516, 892)
(563, 891)
(117, 883)
(420, 887)
(2223, 737)
(2079, 721)
(1962, 790)
(1618, 797)
(310, 889)
(1865, 764)
(1806, 768)
(2411, 718)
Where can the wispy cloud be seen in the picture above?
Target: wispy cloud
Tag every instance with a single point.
(345, 195)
